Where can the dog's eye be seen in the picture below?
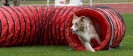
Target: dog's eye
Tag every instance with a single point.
(72, 23)
(76, 24)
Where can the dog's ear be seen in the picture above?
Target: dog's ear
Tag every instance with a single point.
(75, 17)
(82, 18)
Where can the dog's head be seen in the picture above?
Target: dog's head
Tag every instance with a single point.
(79, 23)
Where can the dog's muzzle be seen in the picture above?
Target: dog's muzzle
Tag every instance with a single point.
(73, 32)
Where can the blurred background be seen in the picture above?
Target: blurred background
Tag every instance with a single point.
(84, 1)
(122, 6)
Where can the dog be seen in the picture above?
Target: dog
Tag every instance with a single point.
(83, 27)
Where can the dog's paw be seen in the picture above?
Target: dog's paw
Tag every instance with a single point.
(92, 50)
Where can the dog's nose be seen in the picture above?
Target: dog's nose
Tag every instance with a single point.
(71, 29)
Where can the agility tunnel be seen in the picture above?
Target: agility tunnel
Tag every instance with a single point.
(37, 25)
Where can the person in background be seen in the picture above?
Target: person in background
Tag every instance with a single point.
(6, 2)
(16, 2)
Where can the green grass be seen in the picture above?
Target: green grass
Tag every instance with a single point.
(126, 48)
(128, 18)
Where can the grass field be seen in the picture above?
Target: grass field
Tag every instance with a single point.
(126, 48)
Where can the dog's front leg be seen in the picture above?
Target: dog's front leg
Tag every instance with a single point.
(89, 47)
(98, 39)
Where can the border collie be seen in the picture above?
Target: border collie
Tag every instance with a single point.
(83, 27)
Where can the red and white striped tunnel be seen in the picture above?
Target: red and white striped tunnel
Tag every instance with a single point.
(30, 25)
